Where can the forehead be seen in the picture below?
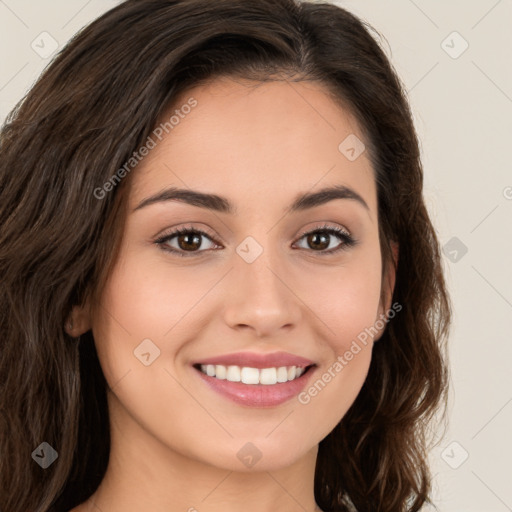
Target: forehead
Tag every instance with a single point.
(256, 142)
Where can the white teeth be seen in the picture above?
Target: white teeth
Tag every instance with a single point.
(248, 375)
(220, 371)
(268, 376)
(233, 374)
(282, 374)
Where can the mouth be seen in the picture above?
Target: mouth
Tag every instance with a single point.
(253, 376)
(255, 387)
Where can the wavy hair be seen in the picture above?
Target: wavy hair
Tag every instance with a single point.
(92, 107)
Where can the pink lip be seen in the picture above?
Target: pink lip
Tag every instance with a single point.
(255, 360)
(257, 395)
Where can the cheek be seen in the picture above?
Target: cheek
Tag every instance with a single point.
(345, 299)
(346, 302)
(147, 299)
(130, 312)
(348, 307)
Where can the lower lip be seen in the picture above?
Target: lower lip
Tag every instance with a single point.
(257, 395)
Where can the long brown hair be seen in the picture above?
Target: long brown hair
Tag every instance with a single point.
(90, 110)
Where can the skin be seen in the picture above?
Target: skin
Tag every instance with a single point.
(174, 440)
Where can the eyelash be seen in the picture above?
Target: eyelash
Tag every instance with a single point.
(348, 240)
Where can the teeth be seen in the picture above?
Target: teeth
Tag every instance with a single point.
(247, 375)
(220, 372)
(250, 375)
(282, 374)
(233, 374)
(268, 376)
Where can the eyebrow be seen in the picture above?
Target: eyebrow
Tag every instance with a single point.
(221, 204)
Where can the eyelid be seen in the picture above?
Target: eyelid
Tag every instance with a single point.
(335, 230)
(347, 241)
(170, 233)
(187, 227)
(213, 236)
(325, 227)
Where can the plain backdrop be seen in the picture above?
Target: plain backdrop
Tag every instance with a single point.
(454, 59)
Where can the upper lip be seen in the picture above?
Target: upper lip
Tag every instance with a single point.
(258, 360)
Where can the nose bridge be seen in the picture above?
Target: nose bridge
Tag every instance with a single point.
(261, 298)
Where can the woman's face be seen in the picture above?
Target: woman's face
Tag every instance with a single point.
(254, 285)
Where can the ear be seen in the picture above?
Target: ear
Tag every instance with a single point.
(388, 287)
(79, 321)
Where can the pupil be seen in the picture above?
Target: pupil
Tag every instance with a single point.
(192, 241)
(314, 237)
(187, 244)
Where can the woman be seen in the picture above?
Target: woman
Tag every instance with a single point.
(221, 286)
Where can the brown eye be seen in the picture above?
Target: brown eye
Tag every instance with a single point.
(320, 239)
(182, 241)
(189, 241)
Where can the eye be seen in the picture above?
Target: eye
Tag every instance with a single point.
(188, 240)
(321, 238)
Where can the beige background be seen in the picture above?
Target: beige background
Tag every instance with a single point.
(462, 104)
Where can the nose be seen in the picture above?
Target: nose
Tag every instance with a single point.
(261, 297)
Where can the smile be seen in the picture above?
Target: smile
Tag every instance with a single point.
(255, 387)
(248, 375)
